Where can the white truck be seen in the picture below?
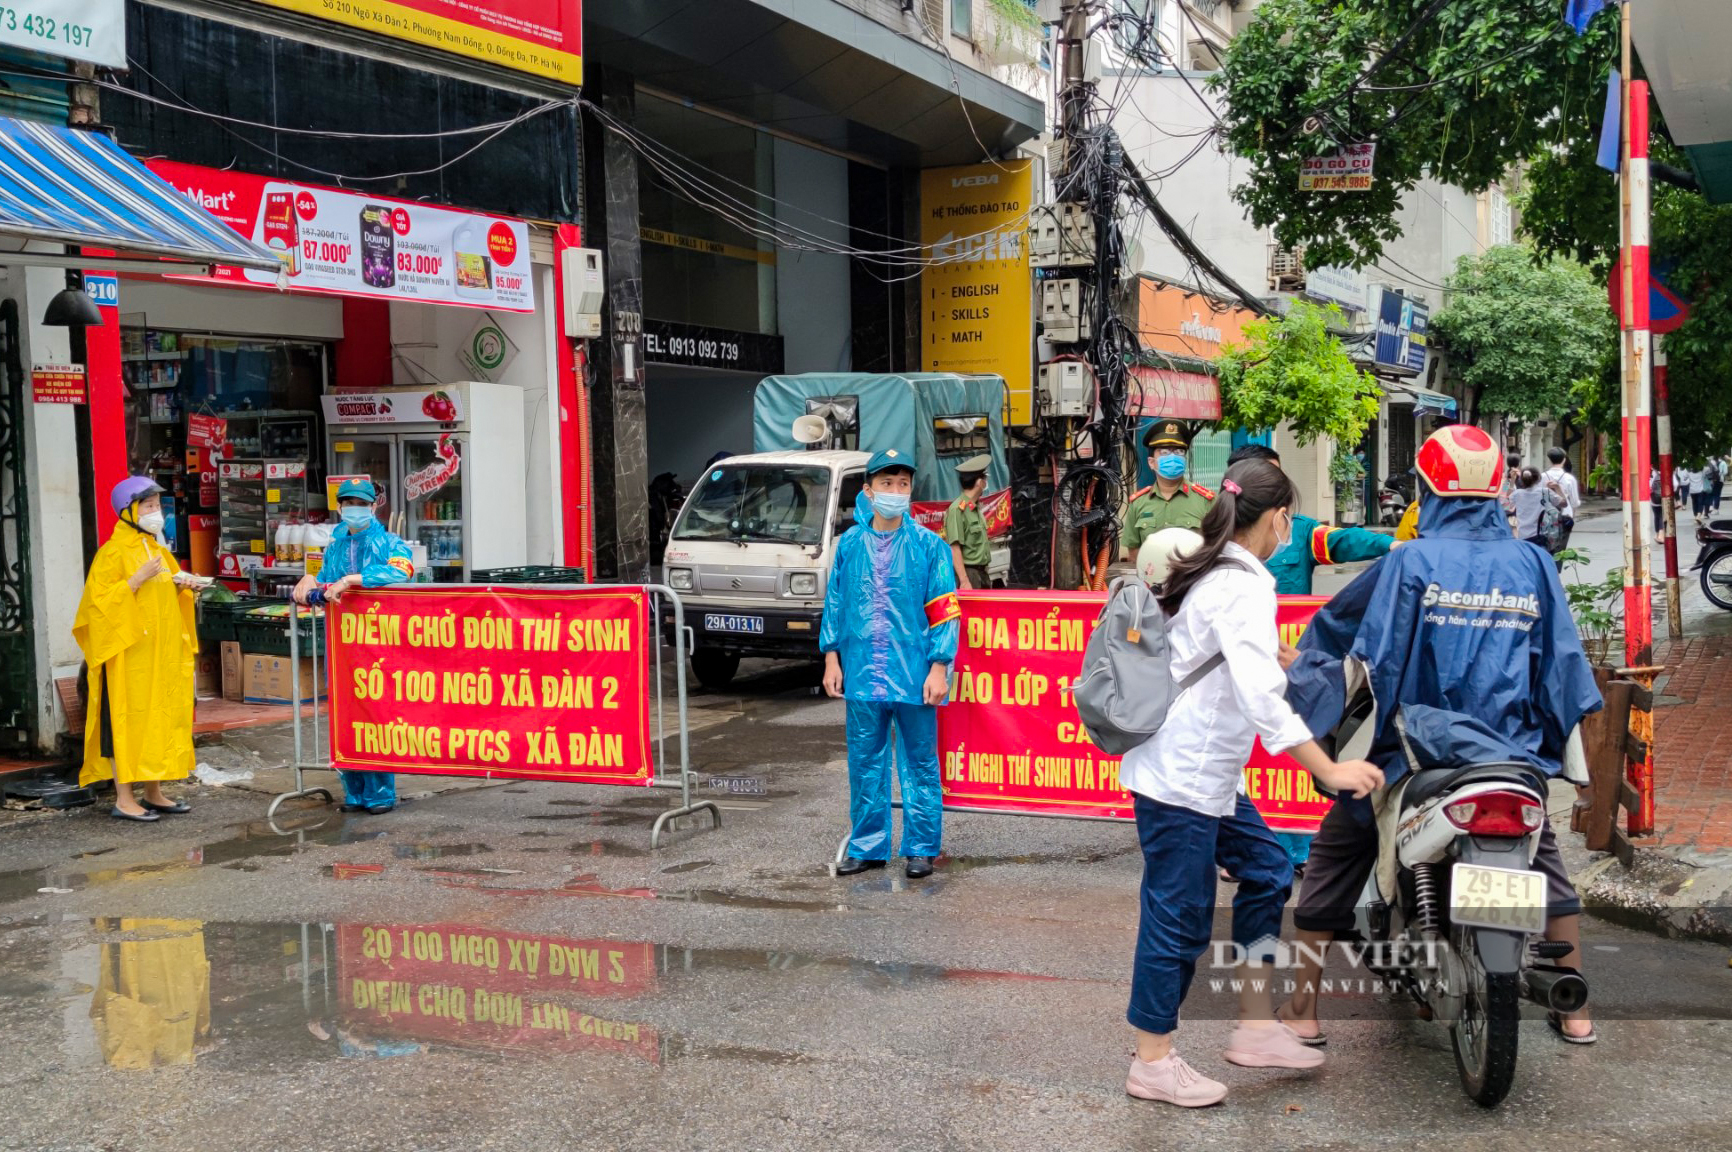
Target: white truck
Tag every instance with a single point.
(751, 551)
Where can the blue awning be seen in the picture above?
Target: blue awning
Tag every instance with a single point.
(80, 188)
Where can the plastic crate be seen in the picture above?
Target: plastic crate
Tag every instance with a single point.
(527, 574)
(216, 620)
(266, 631)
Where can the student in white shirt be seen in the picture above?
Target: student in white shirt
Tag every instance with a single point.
(1219, 599)
(1572, 492)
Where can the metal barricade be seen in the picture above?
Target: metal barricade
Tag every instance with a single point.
(301, 763)
(681, 635)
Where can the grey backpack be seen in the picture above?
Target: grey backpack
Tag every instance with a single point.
(1126, 684)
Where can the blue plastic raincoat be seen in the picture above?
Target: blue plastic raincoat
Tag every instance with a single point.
(381, 558)
(891, 613)
(1465, 618)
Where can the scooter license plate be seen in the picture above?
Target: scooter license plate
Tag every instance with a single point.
(1498, 898)
(718, 623)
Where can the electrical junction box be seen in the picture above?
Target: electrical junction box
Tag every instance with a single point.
(1061, 236)
(584, 290)
(1066, 389)
(1061, 312)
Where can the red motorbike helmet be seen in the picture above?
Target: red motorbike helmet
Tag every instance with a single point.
(1461, 460)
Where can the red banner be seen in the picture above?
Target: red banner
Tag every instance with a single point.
(539, 684)
(994, 509)
(477, 987)
(1010, 739)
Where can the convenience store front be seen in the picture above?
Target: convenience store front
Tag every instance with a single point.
(399, 340)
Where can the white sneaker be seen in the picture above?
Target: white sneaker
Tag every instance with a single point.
(1172, 1081)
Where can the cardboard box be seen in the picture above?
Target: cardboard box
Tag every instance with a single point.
(271, 679)
(207, 674)
(231, 670)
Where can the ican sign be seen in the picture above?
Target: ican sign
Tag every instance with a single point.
(1400, 344)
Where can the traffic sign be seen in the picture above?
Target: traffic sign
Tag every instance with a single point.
(1667, 311)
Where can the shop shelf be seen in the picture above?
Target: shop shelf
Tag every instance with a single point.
(527, 574)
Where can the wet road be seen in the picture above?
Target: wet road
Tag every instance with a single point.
(513, 968)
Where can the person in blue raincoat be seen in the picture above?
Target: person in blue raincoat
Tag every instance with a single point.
(889, 638)
(364, 555)
(1465, 618)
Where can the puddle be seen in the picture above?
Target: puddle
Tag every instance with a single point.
(600, 819)
(249, 842)
(608, 848)
(422, 851)
(284, 995)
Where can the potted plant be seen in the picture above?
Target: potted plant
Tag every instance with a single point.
(1347, 474)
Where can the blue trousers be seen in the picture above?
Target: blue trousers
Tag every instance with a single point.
(869, 750)
(369, 789)
(1180, 852)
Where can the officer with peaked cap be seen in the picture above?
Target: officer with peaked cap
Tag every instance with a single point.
(1172, 501)
(965, 526)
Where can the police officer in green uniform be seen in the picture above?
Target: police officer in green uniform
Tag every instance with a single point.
(1171, 502)
(965, 527)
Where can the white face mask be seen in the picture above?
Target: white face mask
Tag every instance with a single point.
(152, 522)
(1281, 542)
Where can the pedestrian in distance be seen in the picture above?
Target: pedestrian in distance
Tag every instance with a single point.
(1219, 599)
(965, 527)
(365, 555)
(889, 639)
(1172, 501)
(1539, 506)
(1559, 473)
(1720, 465)
(137, 630)
(1683, 482)
(1656, 499)
(1702, 495)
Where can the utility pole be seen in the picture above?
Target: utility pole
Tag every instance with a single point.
(1081, 387)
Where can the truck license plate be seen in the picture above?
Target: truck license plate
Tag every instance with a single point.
(1498, 898)
(714, 622)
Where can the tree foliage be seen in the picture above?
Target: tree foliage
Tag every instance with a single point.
(1477, 89)
(1521, 334)
(1293, 369)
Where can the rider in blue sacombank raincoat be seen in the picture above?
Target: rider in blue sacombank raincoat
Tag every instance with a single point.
(889, 639)
(361, 555)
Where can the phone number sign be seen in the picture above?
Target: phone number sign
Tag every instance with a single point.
(93, 30)
(1346, 169)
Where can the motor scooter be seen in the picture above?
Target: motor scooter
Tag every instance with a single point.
(1715, 562)
(1454, 913)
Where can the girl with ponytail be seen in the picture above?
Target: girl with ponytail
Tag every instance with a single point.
(1220, 603)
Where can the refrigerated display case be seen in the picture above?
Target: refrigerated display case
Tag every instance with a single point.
(254, 497)
(448, 459)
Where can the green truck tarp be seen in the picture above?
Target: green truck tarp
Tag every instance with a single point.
(907, 412)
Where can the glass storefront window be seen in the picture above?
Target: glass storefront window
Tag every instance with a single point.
(699, 268)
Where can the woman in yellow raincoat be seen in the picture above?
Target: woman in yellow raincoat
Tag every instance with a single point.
(135, 625)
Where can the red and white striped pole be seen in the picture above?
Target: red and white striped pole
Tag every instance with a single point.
(1637, 349)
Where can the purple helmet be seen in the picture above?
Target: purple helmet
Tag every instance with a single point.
(130, 491)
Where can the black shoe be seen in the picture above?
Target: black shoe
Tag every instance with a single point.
(140, 818)
(853, 867)
(919, 866)
(353, 808)
(379, 809)
(174, 809)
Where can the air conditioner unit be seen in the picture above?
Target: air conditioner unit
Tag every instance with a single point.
(1286, 268)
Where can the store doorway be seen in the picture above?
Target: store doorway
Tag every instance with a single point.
(691, 415)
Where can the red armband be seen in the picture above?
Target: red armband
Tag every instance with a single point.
(943, 610)
(1320, 544)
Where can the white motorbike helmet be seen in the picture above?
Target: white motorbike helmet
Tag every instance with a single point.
(1159, 551)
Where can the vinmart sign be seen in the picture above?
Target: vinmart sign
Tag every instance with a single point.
(331, 241)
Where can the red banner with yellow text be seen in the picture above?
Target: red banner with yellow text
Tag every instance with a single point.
(484, 988)
(539, 684)
(1010, 739)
